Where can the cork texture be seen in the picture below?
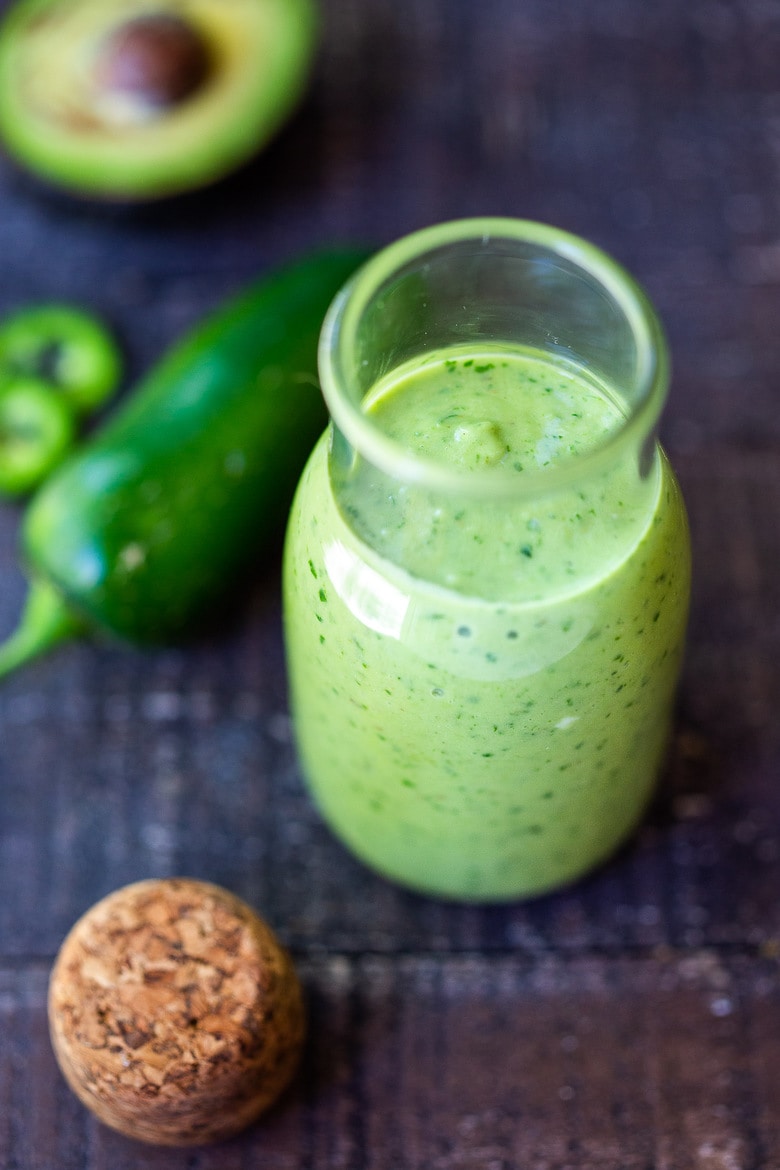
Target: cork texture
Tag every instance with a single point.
(175, 1015)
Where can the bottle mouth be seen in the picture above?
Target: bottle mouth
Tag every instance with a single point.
(547, 253)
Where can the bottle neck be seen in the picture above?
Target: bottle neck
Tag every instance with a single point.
(488, 421)
(494, 387)
(482, 285)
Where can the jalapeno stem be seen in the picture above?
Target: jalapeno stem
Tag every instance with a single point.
(46, 620)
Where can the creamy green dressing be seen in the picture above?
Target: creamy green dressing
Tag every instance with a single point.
(482, 688)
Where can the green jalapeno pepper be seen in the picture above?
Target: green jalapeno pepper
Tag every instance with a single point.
(144, 529)
(66, 347)
(36, 431)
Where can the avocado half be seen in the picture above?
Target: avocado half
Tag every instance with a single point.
(73, 106)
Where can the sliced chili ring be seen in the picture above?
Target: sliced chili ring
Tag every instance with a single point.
(65, 346)
(37, 428)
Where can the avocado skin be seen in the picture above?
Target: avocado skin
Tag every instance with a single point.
(147, 529)
(201, 141)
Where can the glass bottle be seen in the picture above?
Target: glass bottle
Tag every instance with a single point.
(487, 565)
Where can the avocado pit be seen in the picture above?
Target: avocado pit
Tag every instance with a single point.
(157, 61)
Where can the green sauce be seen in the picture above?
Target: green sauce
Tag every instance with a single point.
(487, 721)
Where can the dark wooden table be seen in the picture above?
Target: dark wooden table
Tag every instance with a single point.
(631, 1022)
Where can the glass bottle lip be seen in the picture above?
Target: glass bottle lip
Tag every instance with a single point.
(337, 351)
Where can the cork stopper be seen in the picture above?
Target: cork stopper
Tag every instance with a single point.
(175, 1014)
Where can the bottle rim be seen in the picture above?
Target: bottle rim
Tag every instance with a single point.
(337, 357)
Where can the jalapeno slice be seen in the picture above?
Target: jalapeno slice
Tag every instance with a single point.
(37, 428)
(66, 347)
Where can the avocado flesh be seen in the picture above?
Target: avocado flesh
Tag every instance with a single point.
(56, 119)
